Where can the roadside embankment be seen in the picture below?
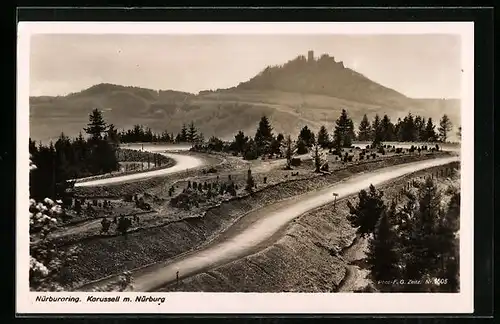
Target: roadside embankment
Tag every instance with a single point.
(307, 256)
(106, 256)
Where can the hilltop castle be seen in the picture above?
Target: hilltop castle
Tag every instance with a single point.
(324, 58)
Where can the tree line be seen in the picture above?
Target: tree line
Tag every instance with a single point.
(409, 129)
(138, 133)
(265, 142)
(57, 163)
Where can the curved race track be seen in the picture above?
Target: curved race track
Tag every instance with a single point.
(256, 229)
(183, 162)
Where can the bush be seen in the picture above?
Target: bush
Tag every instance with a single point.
(187, 199)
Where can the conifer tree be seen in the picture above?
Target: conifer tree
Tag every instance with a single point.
(376, 131)
(302, 147)
(344, 131)
(112, 136)
(317, 157)
(183, 135)
(419, 127)
(307, 136)
(383, 256)
(251, 151)
(422, 251)
(239, 142)
(96, 126)
(430, 132)
(276, 144)
(323, 137)
(364, 131)
(445, 126)
(264, 135)
(367, 212)
(387, 129)
(192, 134)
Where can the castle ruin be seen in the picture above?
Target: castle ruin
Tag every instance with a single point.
(310, 56)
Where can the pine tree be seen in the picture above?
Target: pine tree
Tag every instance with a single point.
(317, 157)
(364, 131)
(445, 126)
(398, 130)
(344, 131)
(387, 129)
(251, 150)
(264, 135)
(351, 134)
(302, 147)
(192, 134)
(112, 136)
(382, 256)
(307, 136)
(239, 143)
(430, 133)
(377, 131)
(183, 135)
(419, 127)
(422, 255)
(276, 144)
(408, 130)
(323, 137)
(367, 213)
(96, 126)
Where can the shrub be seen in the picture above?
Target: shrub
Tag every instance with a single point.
(296, 162)
(187, 200)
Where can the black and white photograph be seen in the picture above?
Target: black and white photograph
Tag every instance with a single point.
(195, 165)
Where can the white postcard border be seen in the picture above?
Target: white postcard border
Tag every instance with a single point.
(177, 302)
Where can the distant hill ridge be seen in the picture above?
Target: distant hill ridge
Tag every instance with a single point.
(303, 91)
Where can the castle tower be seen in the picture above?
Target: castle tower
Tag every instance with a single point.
(310, 56)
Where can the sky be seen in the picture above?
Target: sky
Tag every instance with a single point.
(419, 66)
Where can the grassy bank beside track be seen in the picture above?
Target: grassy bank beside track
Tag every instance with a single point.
(306, 256)
(106, 256)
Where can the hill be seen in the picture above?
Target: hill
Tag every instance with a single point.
(300, 92)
